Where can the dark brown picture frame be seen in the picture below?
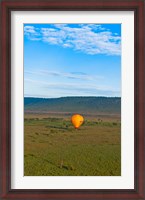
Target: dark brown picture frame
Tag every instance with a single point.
(5, 98)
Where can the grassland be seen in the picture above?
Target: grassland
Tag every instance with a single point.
(53, 147)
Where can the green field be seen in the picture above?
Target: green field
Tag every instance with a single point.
(52, 146)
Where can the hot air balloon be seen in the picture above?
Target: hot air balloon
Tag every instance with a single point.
(77, 120)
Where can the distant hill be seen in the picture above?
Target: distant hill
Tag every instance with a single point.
(110, 105)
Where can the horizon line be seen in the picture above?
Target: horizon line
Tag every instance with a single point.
(70, 96)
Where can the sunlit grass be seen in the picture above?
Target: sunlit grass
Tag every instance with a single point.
(54, 148)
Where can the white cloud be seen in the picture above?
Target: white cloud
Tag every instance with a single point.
(87, 38)
(71, 89)
(32, 33)
(29, 29)
(73, 75)
(72, 86)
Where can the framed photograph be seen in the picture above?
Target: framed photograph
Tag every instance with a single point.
(72, 99)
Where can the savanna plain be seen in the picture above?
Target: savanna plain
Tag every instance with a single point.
(53, 147)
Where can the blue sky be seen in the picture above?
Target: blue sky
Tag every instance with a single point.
(72, 60)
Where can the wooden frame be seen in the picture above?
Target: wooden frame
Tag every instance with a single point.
(5, 98)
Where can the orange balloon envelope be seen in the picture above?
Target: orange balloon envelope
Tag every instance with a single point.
(77, 120)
